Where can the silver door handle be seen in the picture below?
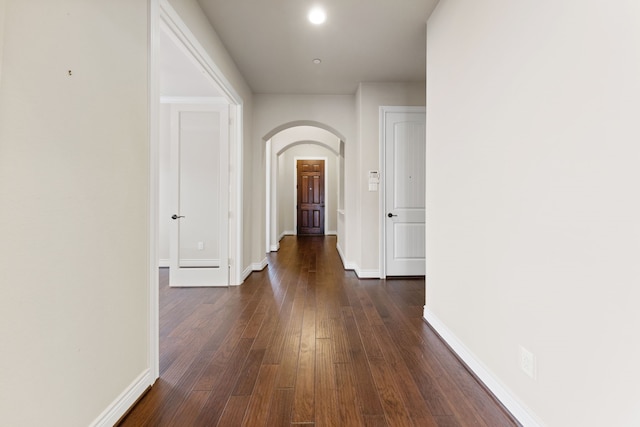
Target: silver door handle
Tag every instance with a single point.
(174, 216)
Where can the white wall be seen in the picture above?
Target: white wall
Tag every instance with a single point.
(533, 219)
(74, 218)
(3, 4)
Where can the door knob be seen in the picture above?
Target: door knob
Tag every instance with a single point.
(390, 215)
(174, 216)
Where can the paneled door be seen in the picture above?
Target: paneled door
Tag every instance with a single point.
(310, 203)
(200, 190)
(404, 148)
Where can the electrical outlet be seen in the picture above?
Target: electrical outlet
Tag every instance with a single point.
(528, 362)
(200, 246)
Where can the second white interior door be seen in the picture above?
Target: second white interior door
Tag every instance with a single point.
(200, 182)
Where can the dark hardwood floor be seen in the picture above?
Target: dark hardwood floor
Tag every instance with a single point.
(304, 342)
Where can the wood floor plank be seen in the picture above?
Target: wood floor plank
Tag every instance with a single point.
(219, 365)
(233, 412)
(304, 392)
(395, 411)
(365, 386)
(448, 421)
(424, 377)
(369, 340)
(288, 366)
(411, 395)
(267, 328)
(306, 343)
(290, 353)
(292, 306)
(223, 381)
(249, 373)
(187, 413)
(375, 421)
(349, 406)
(327, 412)
(339, 343)
(258, 409)
(280, 410)
(369, 309)
(255, 323)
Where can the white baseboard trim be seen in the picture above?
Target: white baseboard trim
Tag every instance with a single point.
(345, 264)
(246, 272)
(287, 233)
(502, 393)
(256, 266)
(362, 274)
(259, 266)
(164, 263)
(293, 233)
(274, 248)
(110, 416)
(367, 274)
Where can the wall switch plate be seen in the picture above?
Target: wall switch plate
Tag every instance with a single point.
(528, 363)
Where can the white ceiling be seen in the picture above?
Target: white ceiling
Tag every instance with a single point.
(273, 43)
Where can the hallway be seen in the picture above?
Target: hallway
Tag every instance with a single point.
(304, 342)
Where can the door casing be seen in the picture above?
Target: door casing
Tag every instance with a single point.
(162, 13)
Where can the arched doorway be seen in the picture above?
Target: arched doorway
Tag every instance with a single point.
(286, 144)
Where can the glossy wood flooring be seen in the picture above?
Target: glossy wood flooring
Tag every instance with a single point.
(305, 343)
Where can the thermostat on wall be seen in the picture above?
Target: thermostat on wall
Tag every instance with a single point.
(374, 180)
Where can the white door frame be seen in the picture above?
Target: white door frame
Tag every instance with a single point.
(162, 13)
(384, 110)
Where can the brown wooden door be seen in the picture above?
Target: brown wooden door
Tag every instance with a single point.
(310, 196)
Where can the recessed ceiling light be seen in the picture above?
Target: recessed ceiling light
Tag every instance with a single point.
(317, 61)
(317, 16)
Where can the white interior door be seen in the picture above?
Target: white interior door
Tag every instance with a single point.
(404, 146)
(199, 243)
